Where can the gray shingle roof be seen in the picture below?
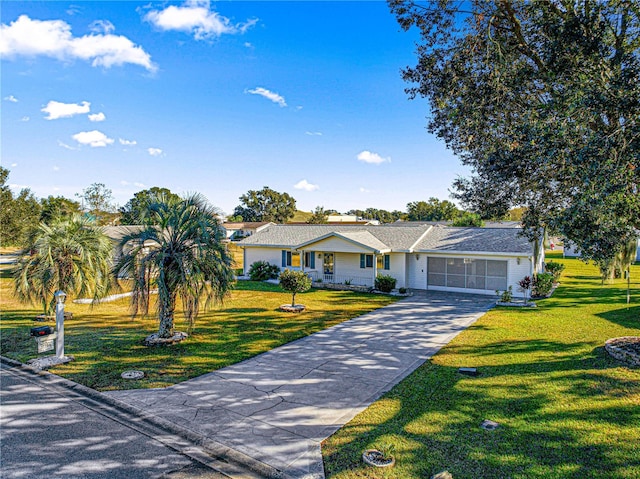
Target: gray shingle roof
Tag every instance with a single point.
(475, 240)
(400, 238)
(394, 238)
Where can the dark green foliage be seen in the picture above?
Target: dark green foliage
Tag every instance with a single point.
(58, 207)
(263, 270)
(135, 211)
(542, 284)
(432, 210)
(383, 216)
(19, 215)
(319, 216)
(294, 282)
(266, 205)
(180, 253)
(70, 255)
(385, 283)
(555, 269)
(505, 296)
(468, 219)
(541, 100)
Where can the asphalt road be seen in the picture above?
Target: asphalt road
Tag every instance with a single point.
(48, 430)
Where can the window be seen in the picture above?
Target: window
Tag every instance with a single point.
(382, 262)
(310, 260)
(467, 273)
(291, 259)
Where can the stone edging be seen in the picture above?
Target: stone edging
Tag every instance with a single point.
(630, 357)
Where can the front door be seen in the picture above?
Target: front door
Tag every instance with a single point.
(328, 264)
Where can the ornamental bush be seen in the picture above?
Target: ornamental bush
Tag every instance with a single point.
(294, 282)
(263, 270)
(385, 283)
(555, 269)
(542, 285)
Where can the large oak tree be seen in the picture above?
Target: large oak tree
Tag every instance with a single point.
(542, 100)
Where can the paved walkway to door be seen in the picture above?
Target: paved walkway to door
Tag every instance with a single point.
(278, 407)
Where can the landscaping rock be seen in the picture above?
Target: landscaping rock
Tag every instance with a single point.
(375, 458)
(488, 425)
(155, 340)
(469, 371)
(442, 475)
(625, 349)
(132, 375)
(287, 308)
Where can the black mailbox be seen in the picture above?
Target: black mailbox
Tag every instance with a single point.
(41, 331)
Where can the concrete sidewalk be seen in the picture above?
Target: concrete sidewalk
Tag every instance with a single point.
(279, 406)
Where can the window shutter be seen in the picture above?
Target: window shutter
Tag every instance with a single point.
(362, 260)
(312, 258)
(284, 258)
(386, 261)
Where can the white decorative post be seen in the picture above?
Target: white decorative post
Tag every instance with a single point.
(60, 298)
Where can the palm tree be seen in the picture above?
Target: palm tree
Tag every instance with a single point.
(72, 255)
(181, 254)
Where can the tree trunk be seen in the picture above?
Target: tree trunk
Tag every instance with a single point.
(293, 299)
(165, 314)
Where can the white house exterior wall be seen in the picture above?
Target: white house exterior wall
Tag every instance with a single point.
(397, 269)
(271, 255)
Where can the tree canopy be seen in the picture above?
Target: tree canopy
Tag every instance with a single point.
(97, 200)
(19, 214)
(266, 205)
(58, 207)
(319, 216)
(72, 255)
(134, 212)
(181, 254)
(542, 100)
(432, 210)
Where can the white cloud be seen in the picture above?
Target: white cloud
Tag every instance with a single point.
(24, 118)
(364, 190)
(11, 98)
(154, 151)
(305, 185)
(93, 138)
(197, 18)
(53, 38)
(248, 44)
(274, 97)
(56, 168)
(56, 109)
(102, 26)
(372, 158)
(313, 133)
(135, 183)
(127, 142)
(97, 117)
(64, 145)
(13, 165)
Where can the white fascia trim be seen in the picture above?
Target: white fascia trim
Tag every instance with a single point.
(473, 253)
(411, 248)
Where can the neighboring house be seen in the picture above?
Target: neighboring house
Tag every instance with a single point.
(418, 256)
(570, 251)
(235, 231)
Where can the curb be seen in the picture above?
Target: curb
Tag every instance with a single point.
(216, 449)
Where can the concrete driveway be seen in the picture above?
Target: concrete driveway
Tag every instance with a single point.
(274, 410)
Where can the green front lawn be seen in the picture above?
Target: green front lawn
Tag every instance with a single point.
(105, 340)
(565, 408)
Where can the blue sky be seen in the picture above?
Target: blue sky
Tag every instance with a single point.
(218, 98)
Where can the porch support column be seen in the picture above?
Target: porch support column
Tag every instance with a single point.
(375, 269)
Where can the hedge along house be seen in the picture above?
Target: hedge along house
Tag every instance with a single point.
(418, 255)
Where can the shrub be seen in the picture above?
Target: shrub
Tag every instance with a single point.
(506, 296)
(402, 291)
(385, 283)
(294, 282)
(262, 270)
(542, 284)
(555, 269)
(525, 285)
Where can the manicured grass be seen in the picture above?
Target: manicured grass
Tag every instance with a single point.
(105, 340)
(565, 408)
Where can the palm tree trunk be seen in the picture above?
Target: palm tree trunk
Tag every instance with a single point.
(165, 329)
